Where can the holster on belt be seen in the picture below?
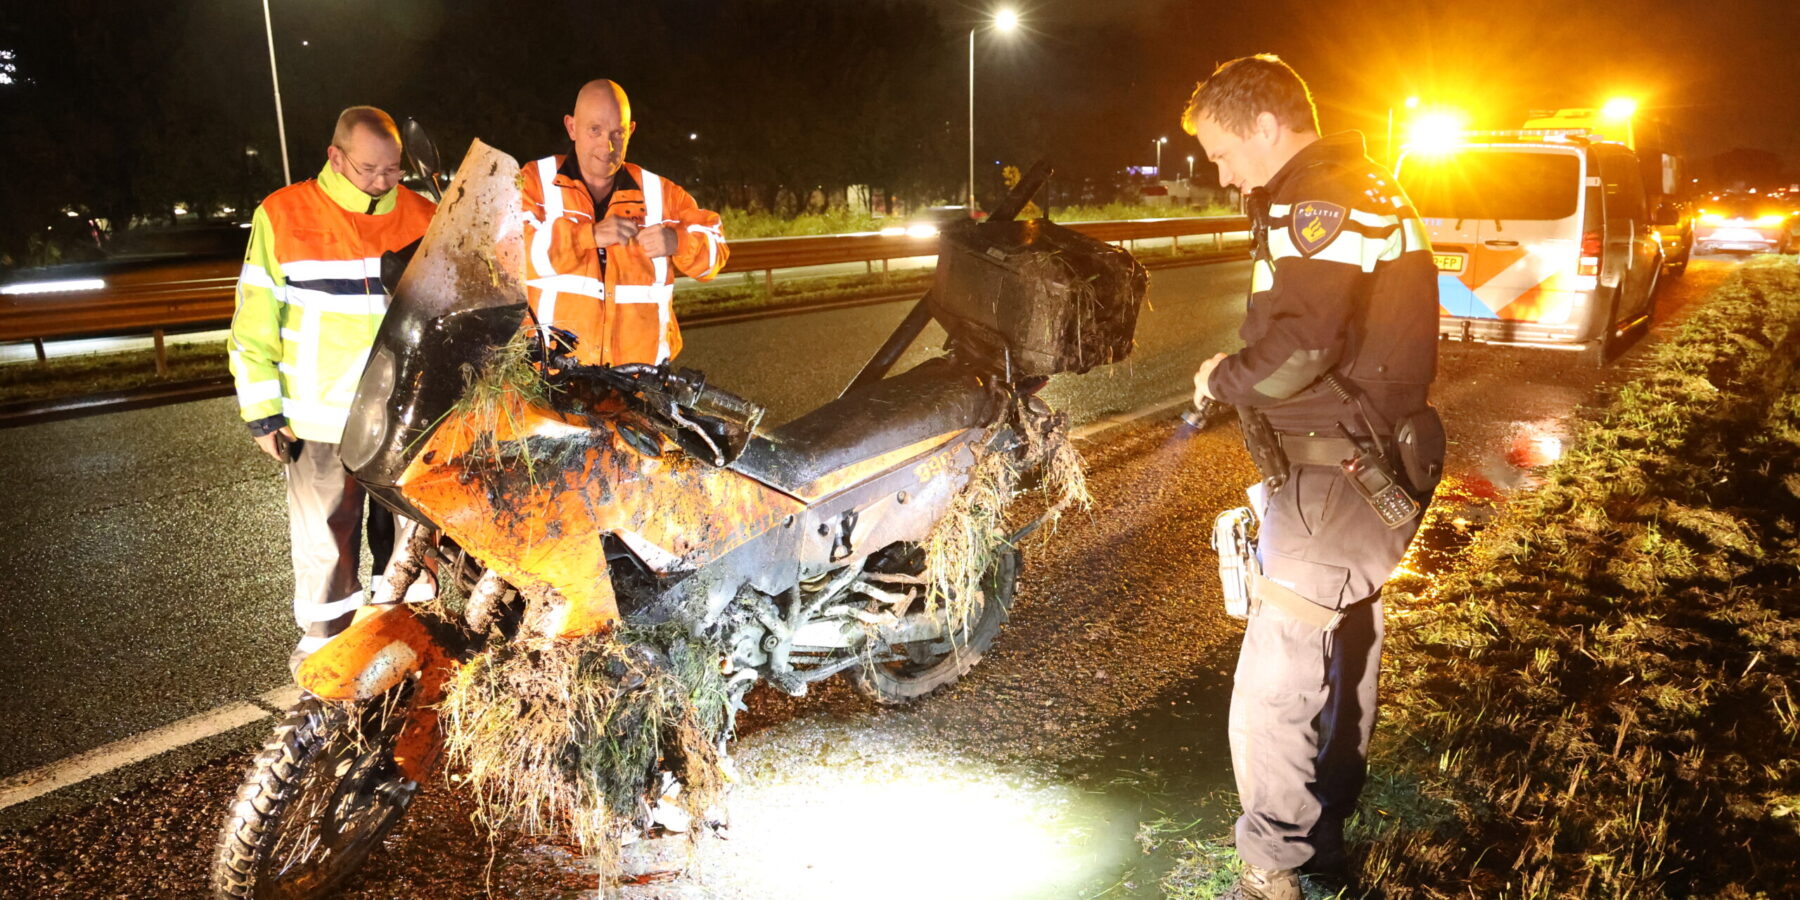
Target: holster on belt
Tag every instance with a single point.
(1264, 446)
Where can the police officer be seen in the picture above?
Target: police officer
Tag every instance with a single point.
(1331, 385)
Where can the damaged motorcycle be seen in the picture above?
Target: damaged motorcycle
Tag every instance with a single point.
(623, 553)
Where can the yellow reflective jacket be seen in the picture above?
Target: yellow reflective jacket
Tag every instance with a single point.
(309, 299)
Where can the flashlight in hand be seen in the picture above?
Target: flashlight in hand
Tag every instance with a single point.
(1210, 412)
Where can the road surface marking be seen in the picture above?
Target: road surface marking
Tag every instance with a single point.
(279, 699)
(37, 782)
(1160, 407)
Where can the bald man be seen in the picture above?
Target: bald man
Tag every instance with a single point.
(605, 239)
(309, 301)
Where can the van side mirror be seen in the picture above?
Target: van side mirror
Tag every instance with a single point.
(1666, 214)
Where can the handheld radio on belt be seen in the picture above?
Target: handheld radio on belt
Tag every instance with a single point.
(1370, 470)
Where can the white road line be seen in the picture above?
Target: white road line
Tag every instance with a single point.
(100, 760)
(1160, 407)
(280, 698)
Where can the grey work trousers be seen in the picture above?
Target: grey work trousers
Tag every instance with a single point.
(1303, 699)
(325, 525)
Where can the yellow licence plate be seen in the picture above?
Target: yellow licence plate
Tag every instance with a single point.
(1448, 262)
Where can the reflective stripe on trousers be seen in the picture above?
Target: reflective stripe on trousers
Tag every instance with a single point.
(325, 526)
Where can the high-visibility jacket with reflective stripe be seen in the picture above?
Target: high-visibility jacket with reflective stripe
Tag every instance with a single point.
(619, 304)
(309, 299)
(1342, 280)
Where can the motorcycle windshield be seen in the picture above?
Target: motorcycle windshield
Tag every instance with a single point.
(461, 295)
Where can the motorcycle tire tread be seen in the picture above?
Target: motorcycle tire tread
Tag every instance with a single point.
(306, 729)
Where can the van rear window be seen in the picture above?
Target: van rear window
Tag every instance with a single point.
(1493, 184)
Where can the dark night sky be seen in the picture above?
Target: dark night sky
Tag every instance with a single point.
(1725, 72)
(852, 91)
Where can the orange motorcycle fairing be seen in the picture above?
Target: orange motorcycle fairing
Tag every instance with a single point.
(379, 650)
(538, 513)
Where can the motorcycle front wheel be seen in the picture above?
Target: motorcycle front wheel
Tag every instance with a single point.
(320, 795)
(926, 667)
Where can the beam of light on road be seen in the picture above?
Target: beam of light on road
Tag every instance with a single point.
(1536, 444)
(54, 287)
(909, 824)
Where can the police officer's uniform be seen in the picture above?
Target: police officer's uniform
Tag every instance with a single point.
(1343, 289)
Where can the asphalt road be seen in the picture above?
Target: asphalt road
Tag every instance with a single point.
(1098, 715)
(146, 555)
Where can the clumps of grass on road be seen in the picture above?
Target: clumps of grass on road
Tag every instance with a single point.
(1603, 699)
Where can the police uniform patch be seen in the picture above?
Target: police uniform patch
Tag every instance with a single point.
(1315, 223)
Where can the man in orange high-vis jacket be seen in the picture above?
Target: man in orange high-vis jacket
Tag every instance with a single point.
(309, 302)
(604, 239)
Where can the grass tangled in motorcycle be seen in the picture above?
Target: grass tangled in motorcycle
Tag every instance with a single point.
(496, 395)
(961, 547)
(569, 740)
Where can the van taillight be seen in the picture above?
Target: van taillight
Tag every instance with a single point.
(1590, 254)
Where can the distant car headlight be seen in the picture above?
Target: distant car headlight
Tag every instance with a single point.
(921, 231)
(1711, 218)
(54, 287)
(1770, 221)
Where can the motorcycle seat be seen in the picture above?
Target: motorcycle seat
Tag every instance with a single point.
(889, 415)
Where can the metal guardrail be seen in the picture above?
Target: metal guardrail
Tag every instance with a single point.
(190, 293)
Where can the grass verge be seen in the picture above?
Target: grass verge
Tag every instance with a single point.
(74, 376)
(1600, 701)
(744, 225)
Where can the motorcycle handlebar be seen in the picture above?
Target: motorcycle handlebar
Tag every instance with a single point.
(686, 387)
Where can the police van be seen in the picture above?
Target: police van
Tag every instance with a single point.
(1541, 236)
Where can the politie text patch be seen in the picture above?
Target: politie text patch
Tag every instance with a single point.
(1315, 223)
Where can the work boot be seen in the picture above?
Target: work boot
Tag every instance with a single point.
(316, 636)
(1257, 883)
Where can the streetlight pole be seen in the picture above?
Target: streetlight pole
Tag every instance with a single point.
(1158, 145)
(287, 176)
(1005, 20)
(971, 123)
(1190, 167)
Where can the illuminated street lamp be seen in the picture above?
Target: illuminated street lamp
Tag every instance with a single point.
(1004, 22)
(287, 176)
(1190, 167)
(1157, 144)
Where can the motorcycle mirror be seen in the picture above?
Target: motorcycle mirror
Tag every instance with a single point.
(422, 157)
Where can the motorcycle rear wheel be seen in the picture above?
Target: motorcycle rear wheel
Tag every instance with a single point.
(319, 797)
(930, 667)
